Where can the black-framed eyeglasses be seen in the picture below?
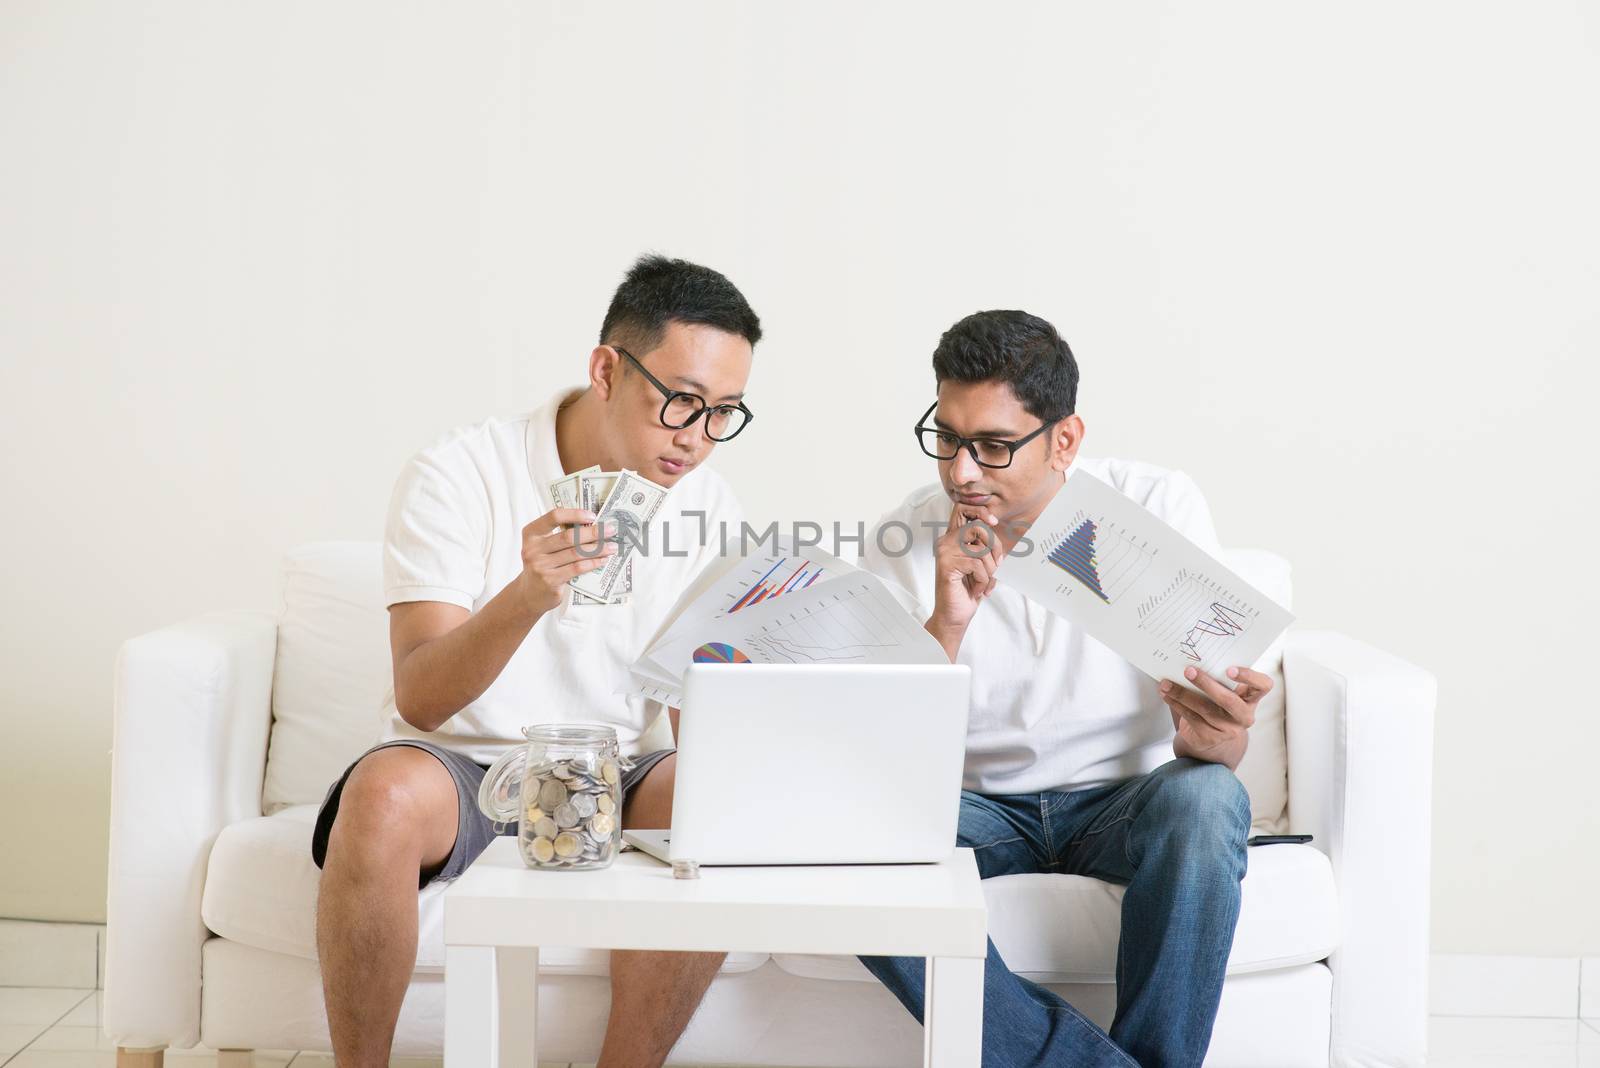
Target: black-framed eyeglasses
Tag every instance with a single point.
(680, 409)
(986, 452)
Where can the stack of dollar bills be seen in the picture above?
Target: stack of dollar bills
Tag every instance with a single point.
(624, 502)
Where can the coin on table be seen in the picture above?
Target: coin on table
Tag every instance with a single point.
(567, 845)
(585, 805)
(551, 795)
(602, 825)
(546, 827)
(543, 850)
(609, 772)
(605, 803)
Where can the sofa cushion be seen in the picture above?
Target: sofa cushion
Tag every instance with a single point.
(1064, 928)
(331, 680)
(261, 891)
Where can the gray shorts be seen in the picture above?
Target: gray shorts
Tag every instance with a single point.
(474, 830)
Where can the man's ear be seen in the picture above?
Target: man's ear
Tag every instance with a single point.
(1065, 438)
(605, 368)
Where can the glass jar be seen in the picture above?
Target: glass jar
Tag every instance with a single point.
(564, 790)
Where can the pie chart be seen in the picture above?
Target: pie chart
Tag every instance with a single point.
(719, 653)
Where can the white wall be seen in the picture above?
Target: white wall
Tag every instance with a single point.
(1339, 263)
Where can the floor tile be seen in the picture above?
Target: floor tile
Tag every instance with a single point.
(82, 1039)
(15, 1036)
(90, 1012)
(37, 1005)
(102, 1058)
(68, 1038)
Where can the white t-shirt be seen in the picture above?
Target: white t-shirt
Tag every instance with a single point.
(454, 534)
(1052, 708)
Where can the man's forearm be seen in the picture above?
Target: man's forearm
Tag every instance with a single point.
(441, 677)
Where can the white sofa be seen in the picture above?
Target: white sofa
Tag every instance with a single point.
(229, 727)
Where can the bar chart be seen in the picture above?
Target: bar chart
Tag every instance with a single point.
(788, 574)
(1105, 560)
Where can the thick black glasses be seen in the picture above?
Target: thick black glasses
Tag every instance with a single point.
(680, 409)
(986, 452)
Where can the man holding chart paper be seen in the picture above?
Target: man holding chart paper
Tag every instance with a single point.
(1077, 762)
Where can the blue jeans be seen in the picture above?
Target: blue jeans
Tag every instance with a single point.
(1176, 839)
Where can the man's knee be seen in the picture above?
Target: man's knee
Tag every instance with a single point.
(396, 802)
(648, 805)
(1195, 796)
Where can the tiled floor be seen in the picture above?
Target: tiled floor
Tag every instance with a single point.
(50, 1028)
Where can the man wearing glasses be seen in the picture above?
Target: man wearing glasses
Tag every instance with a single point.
(1076, 761)
(486, 640)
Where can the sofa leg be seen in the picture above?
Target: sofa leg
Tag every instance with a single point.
(236, 1058)
(140, 1058)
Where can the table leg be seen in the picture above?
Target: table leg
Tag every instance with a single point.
(517, 977)
(490, 1007)
(952, 1014)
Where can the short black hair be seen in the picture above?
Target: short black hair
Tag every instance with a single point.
(1016, 348)
(658, 290)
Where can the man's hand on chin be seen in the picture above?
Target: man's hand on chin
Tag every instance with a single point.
(1214, 725)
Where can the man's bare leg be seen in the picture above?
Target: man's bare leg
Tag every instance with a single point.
(397, 818)
(653, 995)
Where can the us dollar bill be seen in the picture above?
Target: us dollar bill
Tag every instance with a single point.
(627, 511)
(564, 491)
(594, 486)
(567, 492)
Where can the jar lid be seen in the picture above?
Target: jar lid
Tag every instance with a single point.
(571, 734)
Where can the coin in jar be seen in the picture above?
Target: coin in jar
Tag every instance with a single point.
(567, 845)
(584, 805)
(551, 795)
(543, 849)
(566, 816)
(545, 827)
(602, 825)
(605, 803)
(609, 772)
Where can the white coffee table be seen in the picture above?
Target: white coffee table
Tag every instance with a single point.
(499, 913)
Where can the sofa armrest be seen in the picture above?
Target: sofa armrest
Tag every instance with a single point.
(191, 714)
(1359, 724)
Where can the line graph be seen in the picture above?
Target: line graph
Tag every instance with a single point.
(1197, 617)
(849, 625)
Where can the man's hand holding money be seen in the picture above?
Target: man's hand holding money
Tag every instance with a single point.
(556, 548)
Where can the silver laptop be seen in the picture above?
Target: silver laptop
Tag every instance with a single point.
(807, 764)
